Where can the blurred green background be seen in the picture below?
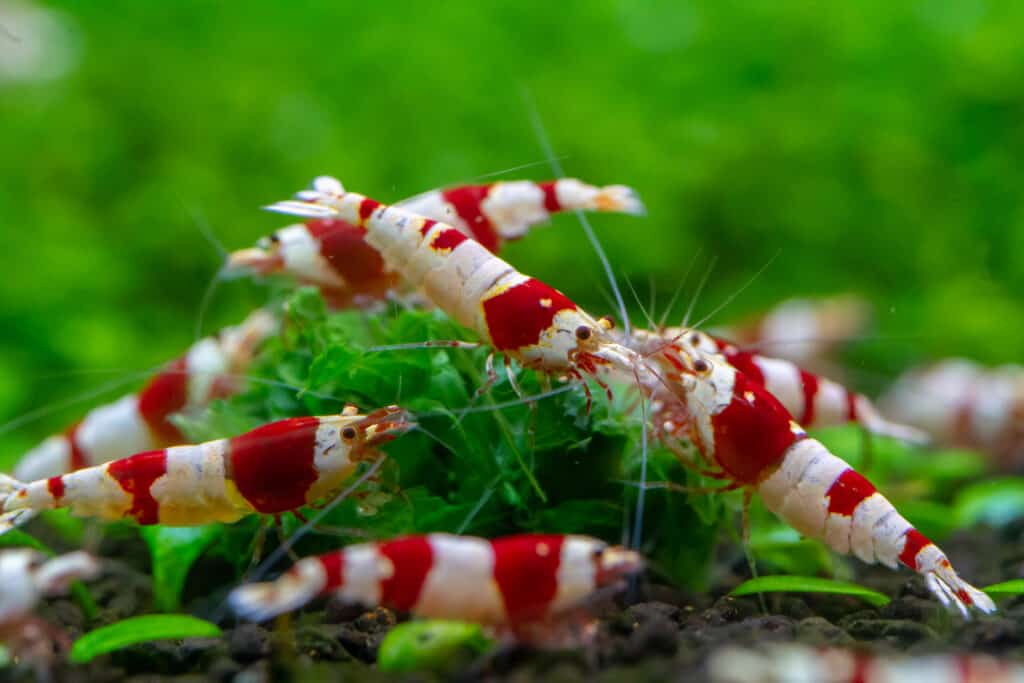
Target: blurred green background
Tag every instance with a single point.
(874, 147)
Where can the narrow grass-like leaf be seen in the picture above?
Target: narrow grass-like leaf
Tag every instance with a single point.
(16, 538)
(430, 646)
(1006, 588)
(808, 584)
(173, 551)
(140, 630)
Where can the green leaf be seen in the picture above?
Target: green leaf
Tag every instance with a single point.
(16, 538)
(783, 548)
(808, 584)
(1006, 588)
(996, 502)
(140, 630)
(437, 646)
(173, 551)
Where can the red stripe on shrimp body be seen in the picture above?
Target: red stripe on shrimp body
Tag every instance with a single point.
(344, 247)
(516, 317)
(550, 190)
(467, 202)
(447, 239)
(334, 570)
(273, 465)
(164, 395)
(744, 362)
(752, 433)
(915, 542)
(809, 383)
(847, 492)
(411, 559)
(366, 208)
(428, 223)
(79, 458)
(136, 474)
(55, 485)
(526, 572)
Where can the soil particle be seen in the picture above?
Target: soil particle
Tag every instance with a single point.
(650, 629)
(912, 608)
(820, 632)
(322, 642)
(994, 634)
(223, 669)
(248, 642)
(899, 634)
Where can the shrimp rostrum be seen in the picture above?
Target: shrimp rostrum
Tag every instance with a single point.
(747, 438)
(276, 468)
(521, 317)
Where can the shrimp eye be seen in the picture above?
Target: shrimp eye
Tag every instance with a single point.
(348, 433)
(701, 365)
(274, 239)
(695, 339)
(583, 332)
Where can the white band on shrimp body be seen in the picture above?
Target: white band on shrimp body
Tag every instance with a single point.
(460, 583)
(577, 573)
(193, 489)
(302, 257)
(513, 207)
(114, 431)
(365, 568)
(205, 362)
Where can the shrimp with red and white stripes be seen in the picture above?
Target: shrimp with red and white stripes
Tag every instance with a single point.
(519, 316)
(813, 400)
(778, 663)
(332, 254)
(748, 438)
(803, 331)
(276, 468)
(139, 422)
(509, 584)
(961, 403)
(26, 577)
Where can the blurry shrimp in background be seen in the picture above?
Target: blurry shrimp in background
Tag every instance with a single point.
(961, 403)
(804, 331)
(211, 369)
(36, 44)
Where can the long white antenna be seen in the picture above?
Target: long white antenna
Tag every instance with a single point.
(556, 166)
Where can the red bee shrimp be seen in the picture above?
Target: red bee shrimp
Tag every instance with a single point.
(813, 400)
(961, 403)
(746, 436)
(508, 584)
(26, 577)
(519, 316)
(278, 467)
(332, 254)
(140, 422)
(804, 331)
(788, 663)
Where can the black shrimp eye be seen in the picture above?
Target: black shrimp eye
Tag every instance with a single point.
(583, 333)
(695, 339)
(701, 365)
(274, 239)
(348, 433)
